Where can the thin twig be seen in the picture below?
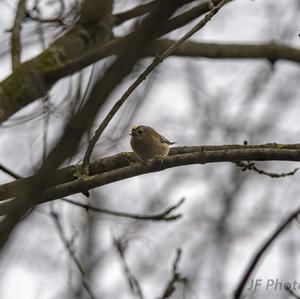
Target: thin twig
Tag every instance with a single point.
(10, 172)
(15, 34)
(69, 248)
(176, 278)
(251, 166)
(30, 16)
(156, 61)
(88, 85)
(133, 283)
(164, 216)
(258, 255)
(133, 13)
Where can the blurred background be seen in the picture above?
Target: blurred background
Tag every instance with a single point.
(227, 212)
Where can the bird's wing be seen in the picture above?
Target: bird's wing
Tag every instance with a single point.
(165, 140)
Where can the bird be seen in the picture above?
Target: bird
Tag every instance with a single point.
(148, 144)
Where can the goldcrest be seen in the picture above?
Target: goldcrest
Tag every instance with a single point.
(147, 144)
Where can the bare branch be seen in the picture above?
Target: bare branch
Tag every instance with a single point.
(157, 60)
(121, 166)
(251, 166)
(261, 250)
(175, 279)
(83, 184)
(15, 36)
(68, 245)
(9, 172)
(163, 216)
(271, 51)
(133, 283)
(188, 16)
(137, 11)
(37, 77)
(33, 193)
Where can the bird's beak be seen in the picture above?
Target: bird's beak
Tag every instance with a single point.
(131, 134)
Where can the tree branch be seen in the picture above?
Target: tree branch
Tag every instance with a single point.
(120, 167)
(38, 75)
(9, 172)
(68, 245)
(175, 279)
(172, 24)
(66, 146)
(68, 55)
(83, 184)
(258, 255)
(134, 285)
(251, 166)
(137, 11)
(34, 77)
(15, 36)
(269, 51)
(157, 60)
(272, 51)
(163, 216)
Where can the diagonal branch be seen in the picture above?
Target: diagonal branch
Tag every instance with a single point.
(67, 145)
(134, 285)
(39, 74)
(259, 254)
(175, 278)
(291, 292)
(9, 172)
(157, 60)
(15, 36)
(137, 11)
(67, 244)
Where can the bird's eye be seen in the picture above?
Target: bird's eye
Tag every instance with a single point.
(140, 132)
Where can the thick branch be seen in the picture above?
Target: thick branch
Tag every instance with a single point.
(121, 160)
(271, 51)
(120, 167)
(133, 13)
(67, 55)
(72, 52)
(83, 184)
(173, 23)
(34, 194)
(33, 78)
